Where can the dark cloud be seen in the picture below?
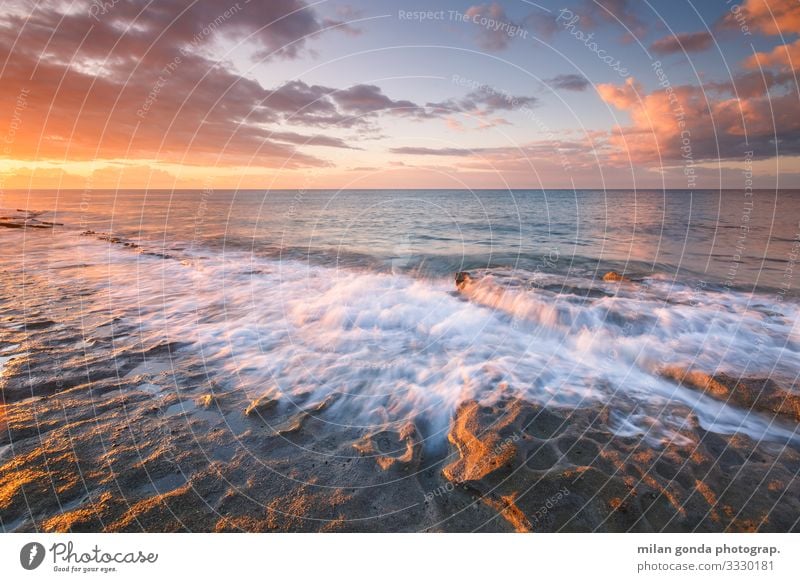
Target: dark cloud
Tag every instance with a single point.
(118, 80)
(298, 102)
(319, 106)
(616, 12)
(365, 99)
(690, 42)
(569, 82)
(752, 84)
(489, 101)
(421, 151)
(313, 140)
(360, 105)
(483, 101)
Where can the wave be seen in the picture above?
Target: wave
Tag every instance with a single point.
(394, 347)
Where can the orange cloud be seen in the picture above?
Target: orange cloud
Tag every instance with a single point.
(772, 17)
(785, 57)
(672, 124)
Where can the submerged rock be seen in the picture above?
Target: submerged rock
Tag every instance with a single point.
(26, 219)
(614, 277)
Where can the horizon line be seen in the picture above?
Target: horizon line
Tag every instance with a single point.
(198, 189)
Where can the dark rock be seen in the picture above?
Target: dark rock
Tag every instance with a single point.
(462, 278)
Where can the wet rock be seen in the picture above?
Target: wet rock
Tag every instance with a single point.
(206, 401)
(26, 219)
(572, 473)
(480, 451)
(759, 394)
(393, 448)
(462, 279)
(263, 403)
(614, 277)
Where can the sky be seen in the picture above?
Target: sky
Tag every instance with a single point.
(272, 94)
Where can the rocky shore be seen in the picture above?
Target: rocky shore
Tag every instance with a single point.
(105, 428)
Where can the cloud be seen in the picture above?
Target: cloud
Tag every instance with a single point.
(784, 57)
(358, 106)
(495, 30)
(752, 83)
(665, 124)
(423, 151)
(487, 101)
(690, 42)
(312, 140)
(365, 99)
(542, 23)
(345, 14)
(615, 12)
(776, 17)
(570, 82)
(579, 152)
(482, 102)
(111, 80)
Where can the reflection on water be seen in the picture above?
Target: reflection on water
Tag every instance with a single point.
(710, 235)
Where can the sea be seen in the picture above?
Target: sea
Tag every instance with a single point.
(352, 292)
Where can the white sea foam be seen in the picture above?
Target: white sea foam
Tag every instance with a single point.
(401, 347)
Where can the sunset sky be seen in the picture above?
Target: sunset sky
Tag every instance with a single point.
(369, 94)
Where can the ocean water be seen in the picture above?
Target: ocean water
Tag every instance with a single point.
(351, 293)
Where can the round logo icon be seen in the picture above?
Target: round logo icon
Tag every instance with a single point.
(31, 555)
